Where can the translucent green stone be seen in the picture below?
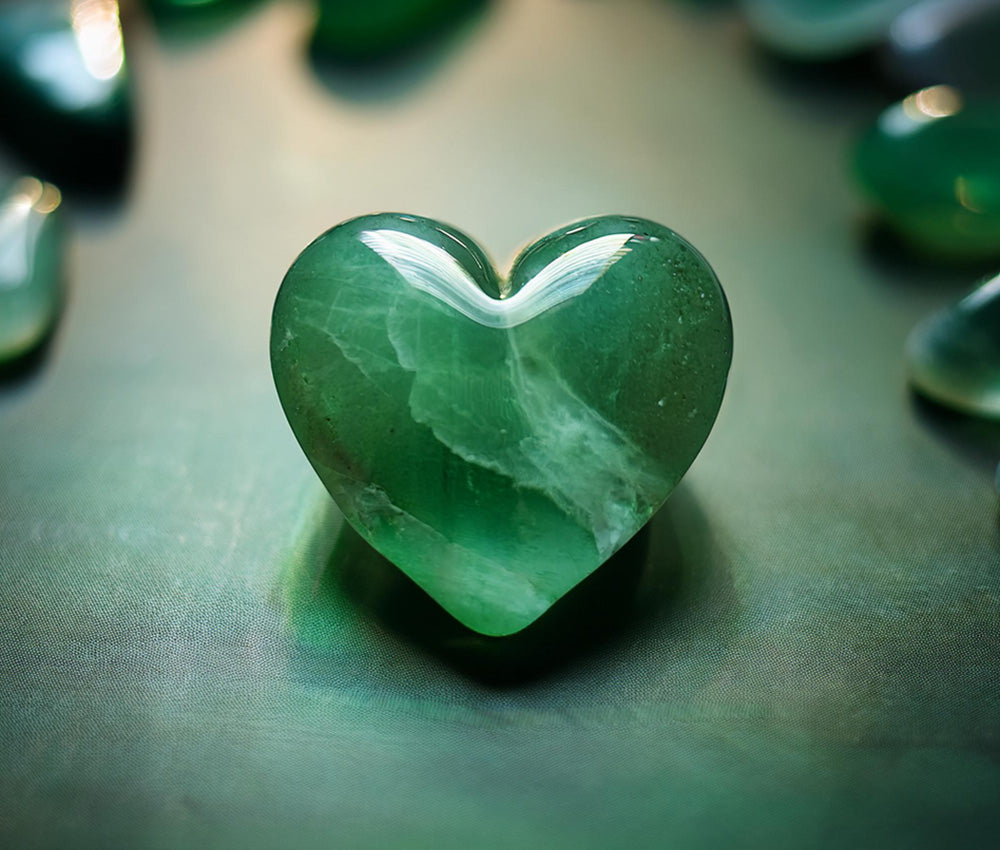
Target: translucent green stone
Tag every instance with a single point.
(930, 165)
(31, 252)
(362, 30)
(947, 41)
(64, 94)
(954, 356)
(498, 439)
(822, 29)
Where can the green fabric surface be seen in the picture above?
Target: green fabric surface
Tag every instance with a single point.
(802, 653)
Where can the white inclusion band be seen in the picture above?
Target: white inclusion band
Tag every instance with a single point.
(433, 270)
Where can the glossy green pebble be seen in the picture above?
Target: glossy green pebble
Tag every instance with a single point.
(930, 165)
(31, 251)
(363, 30)
(822, 29)
(954, 356)
(64, 94)
(947, 41)
(499, 439)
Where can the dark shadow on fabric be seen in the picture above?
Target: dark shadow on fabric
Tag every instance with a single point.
(92, 164)
(975, 439)
(904, 265)
(394, 71)
(855, 79)
(639, 584)
(23, 369)
(702, 6)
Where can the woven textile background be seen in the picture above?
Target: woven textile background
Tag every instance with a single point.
(802, 650)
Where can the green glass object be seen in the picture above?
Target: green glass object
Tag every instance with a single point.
(499, 439)
(954, 356)
(64, 93)
(31, 252)
(822, 29)
(930, 165)
(947, 41)
(366, 30)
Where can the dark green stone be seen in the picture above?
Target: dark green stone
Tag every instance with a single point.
(186, 8)
(954, 356)
(196, 16)
(365, 30)
(822, 29)
(947, 41)
(499, 439)
(31, 253)
(931, 166)
(64, 93)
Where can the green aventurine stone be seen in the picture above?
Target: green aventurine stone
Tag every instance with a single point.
(363, 30)
(822, 29)
(931, 166)
(30, 266)
(498, 439)
(64, 94)
(954, 356)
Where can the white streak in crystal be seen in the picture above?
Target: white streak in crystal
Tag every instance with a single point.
(433, 270)
(981, 296)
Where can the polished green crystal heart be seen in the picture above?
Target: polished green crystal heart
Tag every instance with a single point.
(31, 254)
(499, 439)
(64, 94)
(931, 166)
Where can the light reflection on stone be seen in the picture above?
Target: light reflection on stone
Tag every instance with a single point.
(30, 266)
(64, 95)
(954, 356)
(947, 41)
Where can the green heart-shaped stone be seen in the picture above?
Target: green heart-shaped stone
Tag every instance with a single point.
(499, 440)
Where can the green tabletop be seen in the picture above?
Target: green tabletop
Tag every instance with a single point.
(803, 649)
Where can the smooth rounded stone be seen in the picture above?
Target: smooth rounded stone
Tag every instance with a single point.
(822, 29)
(31, 254)
(954, 356)
(947, 41)
(930, 165)
(372, 30)
(64, 94)
(499, 439)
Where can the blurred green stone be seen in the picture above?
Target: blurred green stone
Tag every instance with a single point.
(822, 29)
(498, 440)
(370, 30)
(31, 252)
(64, 93)
(183, 13)
(931, 166)
(947, 41)
(954, 356)
(193, 7)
